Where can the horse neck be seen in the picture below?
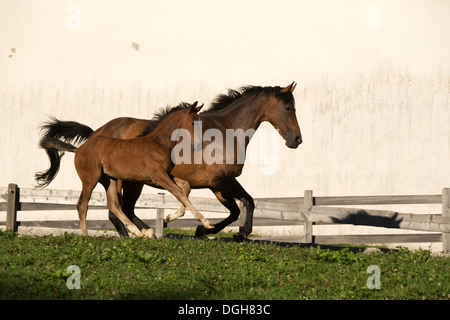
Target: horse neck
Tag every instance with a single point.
(162, 134)
(246, 113)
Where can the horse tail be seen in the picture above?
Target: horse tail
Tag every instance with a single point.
(55, 144)
(58, 137)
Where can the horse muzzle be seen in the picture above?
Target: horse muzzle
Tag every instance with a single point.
(294, 142)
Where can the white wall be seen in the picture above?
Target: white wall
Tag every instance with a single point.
(372, 96)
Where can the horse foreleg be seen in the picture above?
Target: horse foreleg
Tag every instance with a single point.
(230, 204)
(167, 183)
(226, 193)
(184, 185)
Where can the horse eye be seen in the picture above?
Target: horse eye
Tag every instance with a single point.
(288, 108)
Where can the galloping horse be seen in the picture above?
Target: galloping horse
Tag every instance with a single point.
(244, 109)
(144, 159)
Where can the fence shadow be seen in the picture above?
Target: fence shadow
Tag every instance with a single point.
(277, 242)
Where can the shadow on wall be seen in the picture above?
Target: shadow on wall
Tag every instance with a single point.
(365, 219)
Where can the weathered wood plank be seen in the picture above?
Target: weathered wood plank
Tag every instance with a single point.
(308, 201)
(376, 200)
(170, 202)
(191, 223)
(59, 197)
(380, 218)
(378, 238)
(12, 206)
(446, 215)
(98, 199)
(179, 223)
(362, 200)
(54, 206)
(159, 222)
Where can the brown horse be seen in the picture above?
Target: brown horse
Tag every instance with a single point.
(145, 160)
(242, 109)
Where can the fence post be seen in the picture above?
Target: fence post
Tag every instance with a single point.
(446, 214)
(308, 201)
(160, 219)
(242, 213)
(12, 207)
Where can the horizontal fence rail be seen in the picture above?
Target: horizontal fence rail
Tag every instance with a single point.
(307, 211)
(365, 200)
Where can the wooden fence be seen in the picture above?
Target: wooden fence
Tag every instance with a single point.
(307, 210)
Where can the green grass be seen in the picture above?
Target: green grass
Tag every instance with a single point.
(36, 268)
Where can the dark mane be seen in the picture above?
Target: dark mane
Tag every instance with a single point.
(222, 101)
(161, 115)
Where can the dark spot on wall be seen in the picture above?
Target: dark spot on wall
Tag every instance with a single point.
(135, 45)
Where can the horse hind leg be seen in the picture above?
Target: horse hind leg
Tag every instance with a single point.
(82, 206)
(89, 173)
(184, 185)
(82, 212)
(114, 207)
(131, 193)
(127, 201)
(120, 227)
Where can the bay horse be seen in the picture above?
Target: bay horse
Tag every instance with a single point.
(144, 160)
(244, 109)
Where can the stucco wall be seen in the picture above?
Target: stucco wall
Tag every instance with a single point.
(372, 96)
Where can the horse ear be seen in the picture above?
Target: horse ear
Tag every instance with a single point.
(199, 108)
(289, 88)
(194, 107)
(293, 87)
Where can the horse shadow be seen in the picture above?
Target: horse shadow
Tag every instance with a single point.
(363, 218)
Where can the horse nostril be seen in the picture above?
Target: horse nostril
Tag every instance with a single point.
(298, 140)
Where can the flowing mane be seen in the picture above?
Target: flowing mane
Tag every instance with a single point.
(161, 115)
(223, 101)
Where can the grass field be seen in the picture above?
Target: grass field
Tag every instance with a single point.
(36, 268)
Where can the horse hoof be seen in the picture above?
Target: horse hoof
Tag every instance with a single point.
(201, 231)
(239, 237)
(149, 233)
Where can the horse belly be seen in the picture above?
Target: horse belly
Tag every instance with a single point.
(205, 176)
(125, 166)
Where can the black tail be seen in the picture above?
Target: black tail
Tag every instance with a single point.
(66, 132)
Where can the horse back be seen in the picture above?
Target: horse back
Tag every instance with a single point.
(122, 128)
(127, 159)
